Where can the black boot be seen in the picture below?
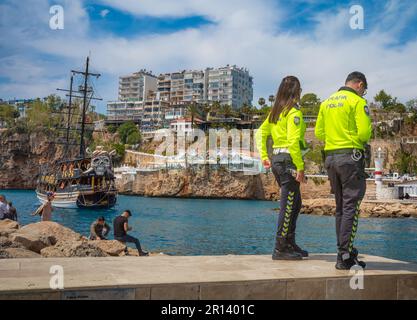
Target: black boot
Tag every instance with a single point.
(349, 261)
(284, 251)
(143, 253)
(291, 241)
(354, 253)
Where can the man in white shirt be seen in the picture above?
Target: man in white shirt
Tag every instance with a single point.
(4, 207)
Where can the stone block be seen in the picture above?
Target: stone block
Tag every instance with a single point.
(254, 290)
(175, 292)
(306, 289)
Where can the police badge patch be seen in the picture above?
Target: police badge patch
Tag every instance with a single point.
(366, 110)
(297, 120)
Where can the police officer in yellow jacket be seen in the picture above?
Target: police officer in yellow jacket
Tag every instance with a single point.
(344, 124)
(286, 126)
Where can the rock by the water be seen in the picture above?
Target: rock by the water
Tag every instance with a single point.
(8, 224)
(37, 236)
(7, 232)
(7, 227)
(79, 248)
(5, 242)
(367, 209)
(111, 247)
(10, 253)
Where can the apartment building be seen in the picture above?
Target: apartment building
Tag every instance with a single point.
(230, 85)
(154, 115)
(122, 111)
(137, 86)
(154, 101)
(195, 84)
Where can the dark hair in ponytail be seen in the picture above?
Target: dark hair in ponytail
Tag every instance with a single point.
(288, 94)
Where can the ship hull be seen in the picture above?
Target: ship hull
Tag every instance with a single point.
(73, 200)
(97, 200)
(67, 200)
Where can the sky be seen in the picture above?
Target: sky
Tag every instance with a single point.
(311, 39)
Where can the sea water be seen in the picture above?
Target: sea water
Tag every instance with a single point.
(218, 227)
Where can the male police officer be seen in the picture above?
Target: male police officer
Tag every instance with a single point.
(345, 126)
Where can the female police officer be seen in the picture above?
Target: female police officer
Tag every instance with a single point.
(286, 126)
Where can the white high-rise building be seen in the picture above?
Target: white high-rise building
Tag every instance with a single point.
(137, 86)
(152, 101)
(230, 85)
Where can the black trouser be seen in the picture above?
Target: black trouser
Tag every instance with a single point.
(348, 182)
(290, 202)
(130, 239)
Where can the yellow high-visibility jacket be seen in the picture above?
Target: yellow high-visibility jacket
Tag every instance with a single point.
(288, 133)
(344, 121)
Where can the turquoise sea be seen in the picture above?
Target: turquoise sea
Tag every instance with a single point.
(219, 227)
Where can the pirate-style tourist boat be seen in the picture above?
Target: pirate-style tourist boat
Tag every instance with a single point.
(86, 180)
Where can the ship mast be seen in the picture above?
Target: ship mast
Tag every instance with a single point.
(84, 90)
(87, 95)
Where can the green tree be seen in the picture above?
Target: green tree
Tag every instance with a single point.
(193, 111)
(8, 112)
(126, 130)
(226, 111)
(383, 99)
(405, 162)
(120, 152)
(265, 110)
(134, 138)
(271, 99)
(54, 102)
(399, 107)
(111, 128)
(412, 105)
(247, 109)
(310, 104)
(40, 115)
(206, 111)
(261, 102)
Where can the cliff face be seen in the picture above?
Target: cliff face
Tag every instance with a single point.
(212, 184)
(21, 156)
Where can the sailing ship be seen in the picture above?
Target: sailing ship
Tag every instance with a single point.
(86, 180)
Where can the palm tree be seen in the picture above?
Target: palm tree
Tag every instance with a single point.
(261, 102)
(226, 111)
(215, 107)
(271, 99)
(193, 110)
(206, 111)
(246, 108)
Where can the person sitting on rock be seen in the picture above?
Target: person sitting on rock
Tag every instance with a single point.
(4, 207)
(99, 229)
(12, 214)
(120, 229)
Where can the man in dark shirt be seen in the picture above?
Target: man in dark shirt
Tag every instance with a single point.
(99, 229)
(120, 229)
(12, 215)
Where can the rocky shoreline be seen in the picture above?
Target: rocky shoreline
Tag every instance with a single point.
(368, 209)
(206, 183)
(49, 239)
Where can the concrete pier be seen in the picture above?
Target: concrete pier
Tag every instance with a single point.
(205, 277)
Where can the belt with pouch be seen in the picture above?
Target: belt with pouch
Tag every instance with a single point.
(356, 154)
(281, 150)
(341, 151)
(285, 150)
